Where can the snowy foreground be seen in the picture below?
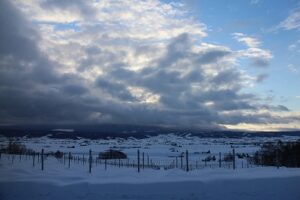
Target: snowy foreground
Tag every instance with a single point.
(20, 180)
(23, 182)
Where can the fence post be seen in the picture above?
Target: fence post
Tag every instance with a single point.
(42, 159)
(143, 160)
(233, 154)
(220, 160)
(187, 160)
(69, 159)
(181, 161)
(277, 157)
(148, 160)
(33, 159)
(90, 162)
(83, 159)
(138, 158)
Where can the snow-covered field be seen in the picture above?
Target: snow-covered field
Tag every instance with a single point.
(19, 179)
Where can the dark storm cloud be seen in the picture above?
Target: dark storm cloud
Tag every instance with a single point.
(30, 86)
(115, 89)
(13, 41)
(74, 89)
(180, 48)
(35, 89)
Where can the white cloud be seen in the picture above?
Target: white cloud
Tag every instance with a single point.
(259, 57)
(295, 47)
(251, 42)
(292, 21)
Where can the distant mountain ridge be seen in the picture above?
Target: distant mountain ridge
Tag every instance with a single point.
(124, 131)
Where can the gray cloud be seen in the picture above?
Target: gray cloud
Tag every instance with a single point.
(261, 77)
(183, 87)
(115, 89)
(81, 6)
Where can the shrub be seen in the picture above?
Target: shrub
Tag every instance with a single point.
(228, 157)
(281, 154)
(112, 154)
(17, 148)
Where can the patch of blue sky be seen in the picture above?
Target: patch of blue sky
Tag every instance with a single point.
(259, 19)
(67, 26)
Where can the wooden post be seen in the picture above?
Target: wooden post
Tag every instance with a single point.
(233, 154)
(181, 161)
(42, 159)
(90, 162)
(148, 160)
(105, 164)
(143, 160)
(33, 159)
(220, 160)
(138, 158)
(176, 162)
(277, 158)
(69, 159)
(187, 160)
(247, 162)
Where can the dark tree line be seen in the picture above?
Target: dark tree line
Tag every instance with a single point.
(16, 148)
(279, 154)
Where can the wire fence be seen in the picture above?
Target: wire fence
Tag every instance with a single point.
(142, 161)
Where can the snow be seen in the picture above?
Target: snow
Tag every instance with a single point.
(19, 179)
(259, 189)
(23, 182)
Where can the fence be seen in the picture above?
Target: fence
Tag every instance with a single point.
(143, 161)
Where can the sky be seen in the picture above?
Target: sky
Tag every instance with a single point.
(204, 64)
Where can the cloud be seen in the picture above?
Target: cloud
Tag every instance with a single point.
(292, 21)
(96, 62)
(259, 57)
(261, 77)
(249, 41)
(294, 69)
